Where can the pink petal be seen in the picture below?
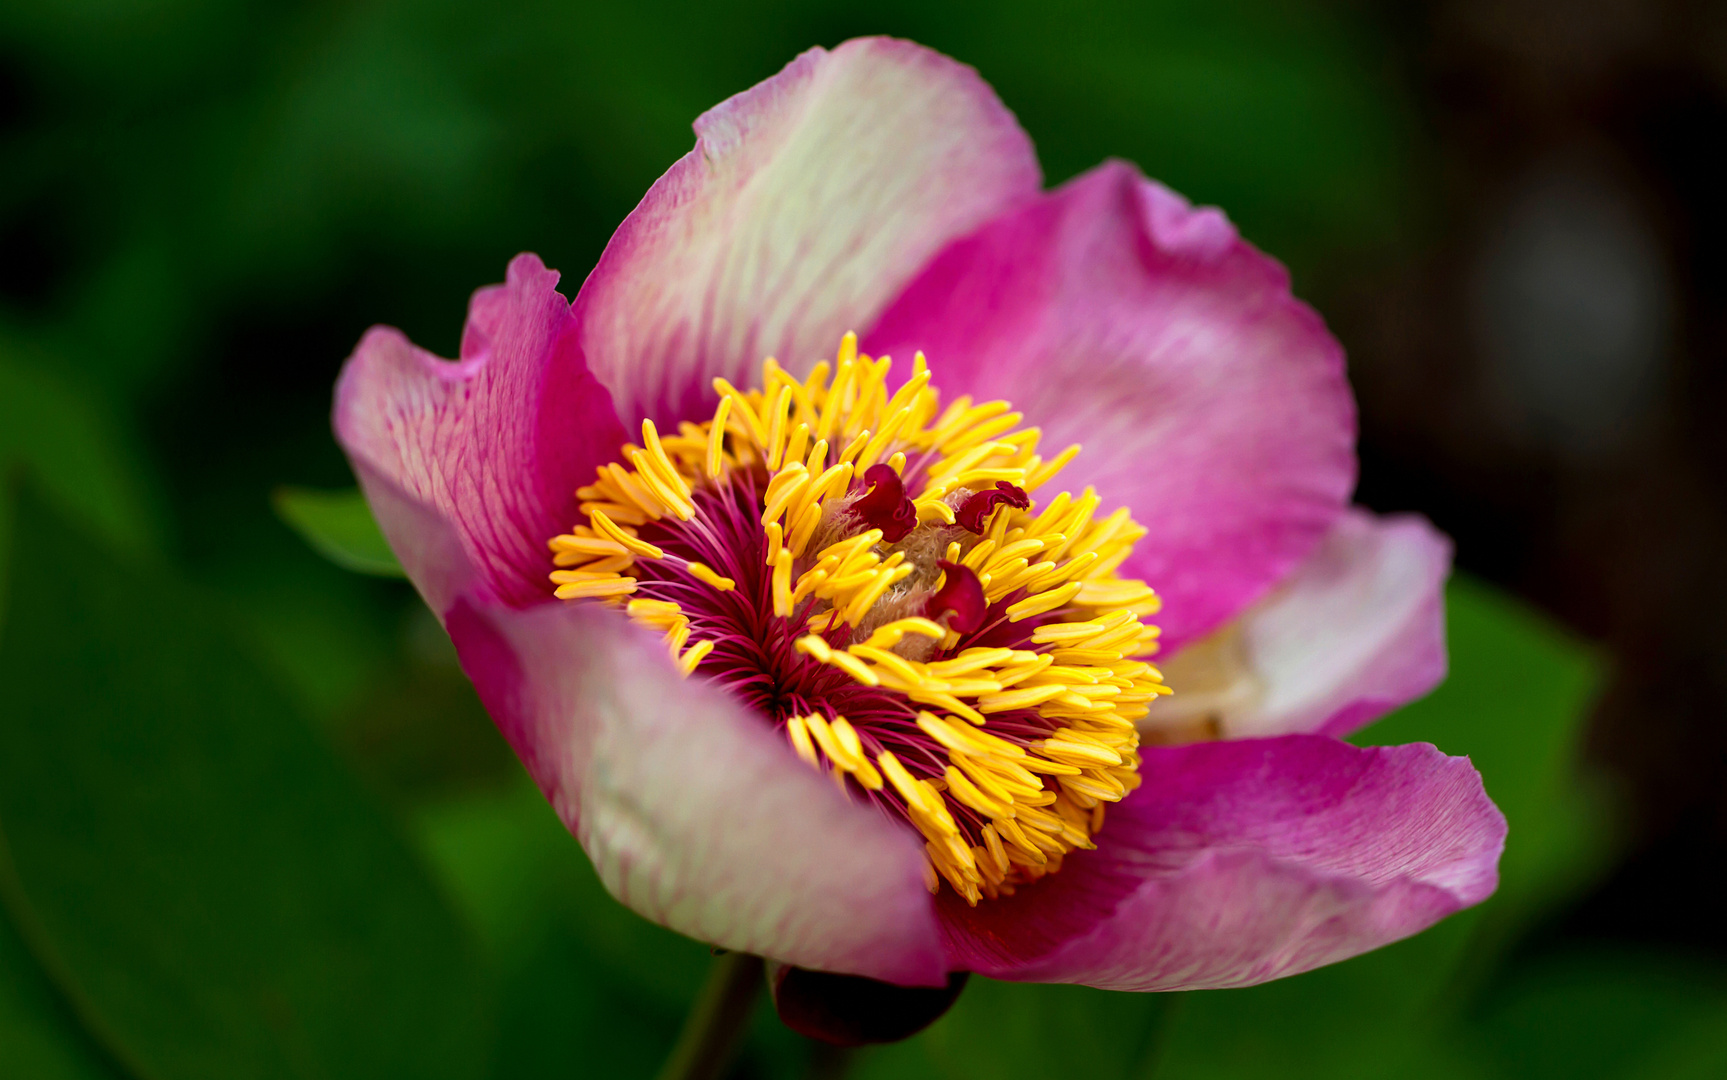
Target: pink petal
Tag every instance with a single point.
(1240, 862)
(1208, 399)
(1356, 631)
(807, 204)
(694, 813)
(495, 443)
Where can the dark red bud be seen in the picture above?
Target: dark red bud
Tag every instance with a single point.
(885, 506)
(850, 1010)
(961, 594)
(976, 510)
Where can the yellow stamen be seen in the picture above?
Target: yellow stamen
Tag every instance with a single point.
(1051, 567)
(706, 575)
(717, 437)
(693, 656)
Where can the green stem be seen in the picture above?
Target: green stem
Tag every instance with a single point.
(717, 1019)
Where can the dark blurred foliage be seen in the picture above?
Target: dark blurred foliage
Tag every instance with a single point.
(1545, 375)
(1508, 210)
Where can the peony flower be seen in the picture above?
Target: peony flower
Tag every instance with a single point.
(849, 661)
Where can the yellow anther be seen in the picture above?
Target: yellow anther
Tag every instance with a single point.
(1019, 699)
(776, 418)
(992, 844)
(986, 430)
(963, 416)
(910, 790)
(707, 576)
(895, 664)
(568, 577)
(717, 438)
(817, 460)
(668, 498)
(907, 394)
(804, 528)
(742, 411)
(970, 660)
(1036, 478)
(854, 667)
(943, 732)
(1015, 550)
(632, 489)
(694, 655)
(662, 464)
(1096, 786)
(795, 445)
(782, 584)
(1044, 602)
(1022, 851)
(642, 548)
(586, 545)
(878, 443)
(1117, 594)
(775, 540)
(588, 589)
(1076, 752)
(889, 634)
(869, 594)
(854, 448)
(844, 549)
(934, 510)
(783, 498)
(969, 794)
(652, 609)
(800, 740)
(814, 646)
(867, 775)
(822, 732)
(832, 482)
(678, 636)
(840, 743)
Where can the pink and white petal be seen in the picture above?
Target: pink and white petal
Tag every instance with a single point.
(807, 204)
(696, 815)
(1208, 399)
(1240, 862)
(1356, 631)
(424, 541)
(495, 443)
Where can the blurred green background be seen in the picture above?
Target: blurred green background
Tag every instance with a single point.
(253, 822)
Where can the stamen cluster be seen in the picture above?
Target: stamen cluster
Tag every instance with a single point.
(963, 659)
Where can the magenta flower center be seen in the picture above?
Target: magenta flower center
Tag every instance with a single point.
(966, 659)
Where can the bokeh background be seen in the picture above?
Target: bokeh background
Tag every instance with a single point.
(253, 822)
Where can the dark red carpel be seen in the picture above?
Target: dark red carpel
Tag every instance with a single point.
(849, 1010)
(961, 594)
(885, 505)
(975, 511)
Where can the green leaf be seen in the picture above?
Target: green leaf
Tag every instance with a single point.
(39, 1037)
(76, 451)
(1696, 1052)
(216, 896)
(339, 525)
(577, 968)
(1602, 1014)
